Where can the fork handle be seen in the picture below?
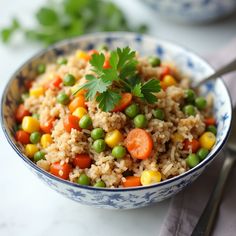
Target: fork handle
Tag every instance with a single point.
(206, 220)
(230, 67)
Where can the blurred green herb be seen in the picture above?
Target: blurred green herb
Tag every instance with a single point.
(58, 20)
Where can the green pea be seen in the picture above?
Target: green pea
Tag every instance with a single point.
(35, 137)
(190, 95)
(132, 110)
(189, 110)
(212, 129)
(63, 98)
(140, 121)
(62, 61)
(24, 96)
(200, 103)
(100, 184)
(154, 61)
(83, 179)
(69, 80)
(159, 114)
(39, 156)
(99, 145)
(97, 133)
(41, 68)
(85, 122)
(192, 160)
(36, 116)
(202, 153)
(118, 152)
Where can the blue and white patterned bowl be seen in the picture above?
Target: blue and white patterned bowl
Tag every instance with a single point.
(190, 63)
(192, 11)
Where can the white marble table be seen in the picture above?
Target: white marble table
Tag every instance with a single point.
(27, 206)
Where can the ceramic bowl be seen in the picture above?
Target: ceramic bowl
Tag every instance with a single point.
(192, 11)
(190, 64)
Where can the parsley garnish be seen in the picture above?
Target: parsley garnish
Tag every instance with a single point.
(107, 84)
(57, 20)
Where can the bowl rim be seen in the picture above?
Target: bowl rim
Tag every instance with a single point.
(205, 162)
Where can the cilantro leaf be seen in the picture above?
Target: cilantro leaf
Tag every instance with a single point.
(114, 59)
(150, 98)
(110, 75)
(137, 90)
(57, 20)
(6, 33)
(125, 55)
(127, 62)
(94, 86)
(107, 100)
(121, 76)
(97, 62)
(47, 16)
(133, 80)
(146, 90)
(150, 87)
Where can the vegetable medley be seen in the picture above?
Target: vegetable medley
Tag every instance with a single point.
(113, 119)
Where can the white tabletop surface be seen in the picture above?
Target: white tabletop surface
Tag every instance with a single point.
(27, 206)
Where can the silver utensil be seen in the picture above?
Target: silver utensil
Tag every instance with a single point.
(206, 221)
(230, 67)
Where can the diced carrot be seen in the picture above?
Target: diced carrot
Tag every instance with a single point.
(131, 181)
(82, 161)
(210, 121)
(191, 145)
(139, 143)
(61, 171)
(22, 137)
(21, 112)
(106, 64)
(81, 92)
(165, 71)
(47, 126)
(126, 99)
(78, 101)
(54, 83)
(71, 122)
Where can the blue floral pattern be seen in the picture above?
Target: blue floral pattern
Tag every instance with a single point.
(191, 64)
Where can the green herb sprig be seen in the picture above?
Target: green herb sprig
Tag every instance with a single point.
(107, 84)
(60, 19)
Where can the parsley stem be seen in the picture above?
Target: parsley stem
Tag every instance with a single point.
(121, 84)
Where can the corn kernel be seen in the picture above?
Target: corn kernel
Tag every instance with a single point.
(36, 92)
(177, 138)
(207, 140)
(82, 55)
(46, 140)
(168, 81)
(113, 138)
(79, 112)
(150, 177)
(30, 150)
(30, 124)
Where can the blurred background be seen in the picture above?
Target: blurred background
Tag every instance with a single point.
(27, 207)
